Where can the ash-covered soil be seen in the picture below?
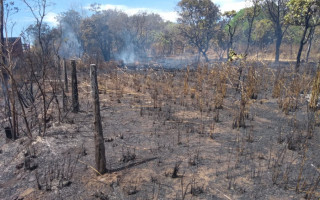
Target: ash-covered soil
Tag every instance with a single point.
(167, 138)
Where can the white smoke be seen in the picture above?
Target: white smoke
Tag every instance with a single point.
(70, 46)
(127, 55)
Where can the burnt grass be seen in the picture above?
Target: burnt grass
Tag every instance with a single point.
(176, 135)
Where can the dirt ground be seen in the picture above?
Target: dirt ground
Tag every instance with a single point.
(167, 136)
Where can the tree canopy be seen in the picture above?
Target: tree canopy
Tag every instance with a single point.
(198, 19)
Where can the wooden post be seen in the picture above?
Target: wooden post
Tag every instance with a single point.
(59, 68)
(64, 101)
(75, 99)
(65, 87)
(65, 76)
(100, 156)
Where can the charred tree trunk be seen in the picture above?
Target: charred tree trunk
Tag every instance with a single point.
(249, 38)
(14, 117)
(229, 47)
(4, 75)
(75, 97)
(1, 33)
(6, 88)
(231, 34)
(310, 44)
(302, 43)
(100, 156)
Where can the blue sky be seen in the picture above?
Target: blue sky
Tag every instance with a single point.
(165, 8)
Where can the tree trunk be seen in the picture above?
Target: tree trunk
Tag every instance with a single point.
(100, 156)
(205, 56)
(278, 43)
(302, 42)
(14, 118)
(75, 99)
(198, 56)
(8, 93)
(230, 46)
(4, 76)
(249, 37)
(106, 50)
(1, 31)
(310, 44)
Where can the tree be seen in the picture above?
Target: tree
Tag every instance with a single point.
(48, 37)
(1, 30)
(96, 35)
(232, 25)
(142, 29)
(292, 38)
(251, 14)
(312, 30)
(9, 79)
(221, 41)
(41, 61)
(72, 45)
(276, 10)
(164, 41)
(4, 81)
(117, 22)
(263, 33)
(304, 13)
(197, 21)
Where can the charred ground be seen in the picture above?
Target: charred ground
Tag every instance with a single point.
(217, 131)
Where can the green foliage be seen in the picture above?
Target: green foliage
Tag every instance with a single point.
(292, 35)
(233, 56)
(303, 12)
(198, 19)
(263, 31)
(167, 39)
(233, 18)
(243, 24)
(48, 36)
(111, 33)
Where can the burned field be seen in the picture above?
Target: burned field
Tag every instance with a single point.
(215, 131)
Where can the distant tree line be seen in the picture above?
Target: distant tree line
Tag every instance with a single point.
(201, 27)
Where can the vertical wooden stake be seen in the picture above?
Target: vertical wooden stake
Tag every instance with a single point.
(65, 76)
(64, 101)
(75, 100)
(100, 156)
